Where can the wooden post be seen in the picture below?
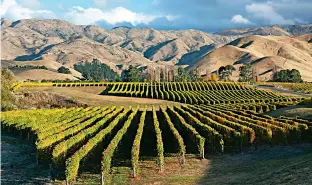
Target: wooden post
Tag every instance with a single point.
(161, 169)
(102, 178)
(203, 157)
(183, 158)
(134, 172)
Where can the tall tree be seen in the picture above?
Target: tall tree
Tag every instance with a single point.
(132, 75)
(245, 73)
(7, 98)
(184, 76)
(225, 72)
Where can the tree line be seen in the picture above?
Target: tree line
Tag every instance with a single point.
(97, 71)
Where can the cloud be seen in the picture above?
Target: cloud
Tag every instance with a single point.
(79, 15)
(32, 4)
(172, 17)
(299, 21)
(215, 15)
(239, 19)
(210, 16)
(267, 13)
(12, 10)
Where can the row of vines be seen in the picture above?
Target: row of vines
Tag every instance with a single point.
(71, 138)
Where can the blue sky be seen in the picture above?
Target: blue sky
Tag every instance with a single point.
(205, 15)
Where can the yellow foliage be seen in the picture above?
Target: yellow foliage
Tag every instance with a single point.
(213, 78)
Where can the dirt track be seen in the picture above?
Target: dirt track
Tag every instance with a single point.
(285, 92)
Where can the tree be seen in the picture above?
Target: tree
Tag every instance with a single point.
(211, 77)
(245, 73)
(225, 72)
(132, 75)
(295, 76)
(7, 98)
(63, 70)
(96, 71)
(214, 78)
(184, 76)
(288, 76)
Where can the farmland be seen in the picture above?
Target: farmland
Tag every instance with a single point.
(214, 119)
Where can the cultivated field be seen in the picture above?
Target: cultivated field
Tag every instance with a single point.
(158, 128)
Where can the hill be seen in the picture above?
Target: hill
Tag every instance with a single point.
(29, 39)
(264, 53)
(61, 42)
(293, 30)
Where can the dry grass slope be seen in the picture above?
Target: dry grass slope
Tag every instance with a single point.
(264, 52)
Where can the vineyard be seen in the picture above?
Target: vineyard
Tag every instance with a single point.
(75, 138)
(143, 89)
(198, 92)
(214, 118)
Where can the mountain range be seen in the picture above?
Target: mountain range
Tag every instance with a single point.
(56, 43)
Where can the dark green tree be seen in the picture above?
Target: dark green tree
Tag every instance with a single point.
(63, 70)
(132, 74)
(8, 100)
(185, 76)
(182, 76)
(96, 71)
(295, 76)
(225, 72)
(288, 76)
(245, 73)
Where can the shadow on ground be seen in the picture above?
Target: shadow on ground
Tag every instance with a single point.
(18, 162)
(277, 165)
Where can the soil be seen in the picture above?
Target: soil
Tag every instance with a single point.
(30, 100)
(18, 162)
(303, 111)
(285, 92)
(91, 96)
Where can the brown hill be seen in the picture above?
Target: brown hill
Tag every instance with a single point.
(83, 49)
(60, 42)
(163, 45)
(293, 30)
(27, 39)
(35, 74)
(264, 52)
(40, 74)
(299, 29)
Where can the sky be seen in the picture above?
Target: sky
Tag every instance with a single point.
(206, 15)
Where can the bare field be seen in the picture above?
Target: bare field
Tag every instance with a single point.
(91, 97)
(285, 92)
(293, 111)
